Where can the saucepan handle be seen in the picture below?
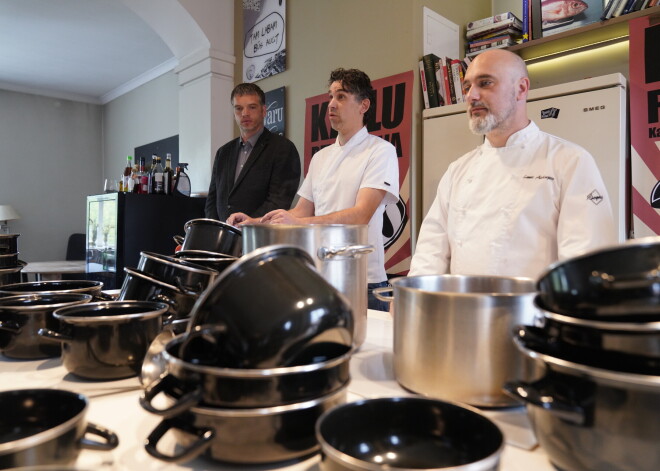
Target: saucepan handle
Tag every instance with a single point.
(204, 437)
(347, 251)
(110, 439)
(180, 405)
(648, 279)
(55, 336)
(378, 292)
(10, 326)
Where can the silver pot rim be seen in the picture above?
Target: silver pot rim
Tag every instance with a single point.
(400, 283)
(211, 222)
(186, 265)
(74, 299)
(153, 309)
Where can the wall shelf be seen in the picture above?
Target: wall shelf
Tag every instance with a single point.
(586, 37)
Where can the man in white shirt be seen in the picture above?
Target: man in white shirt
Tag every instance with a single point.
(520, 201)
(350, 181)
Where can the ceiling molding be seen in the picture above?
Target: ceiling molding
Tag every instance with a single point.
(140, 80)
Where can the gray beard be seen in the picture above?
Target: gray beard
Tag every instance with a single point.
(483, 125)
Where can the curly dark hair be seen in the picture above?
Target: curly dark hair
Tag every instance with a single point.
(248, 89)
(357, 83)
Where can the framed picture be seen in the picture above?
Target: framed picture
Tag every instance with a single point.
(564, 15)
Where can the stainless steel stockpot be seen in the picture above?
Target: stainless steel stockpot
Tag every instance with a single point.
(453, 335)
(339, 253)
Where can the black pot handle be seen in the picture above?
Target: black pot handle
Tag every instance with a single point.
(180, 405)
(101, 296)
(10, 326)
(204, 437)
(110, 438)
(54, 336)
(167, 300)
(538, 394)
(187, 290)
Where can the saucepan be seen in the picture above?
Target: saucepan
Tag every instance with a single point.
(185, 275)
(272, 305)
(587, 417)
(9, 260)
(212, 235)
(22, 316)
(8, 243)
(106, 340)
(246, 436)
(57, 286)
(408, 433)
(217, 261)
(462, 348)
(611, 281)
(10, 276)
(47, 427)
(190, 384)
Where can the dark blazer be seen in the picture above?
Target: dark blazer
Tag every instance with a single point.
(269, 179)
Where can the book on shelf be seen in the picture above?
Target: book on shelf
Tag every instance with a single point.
(513, 23)
(608, 11)
(490, 20)
(450, 78)
(457, 75)
(482, 42)
(422, 78)
(431, 83)
(525, 21)
(535, 18)
(445, 80)
(629, 7)
(563, 15)
(514, 32)
(440, 81)
(495, 44)
(479, 51)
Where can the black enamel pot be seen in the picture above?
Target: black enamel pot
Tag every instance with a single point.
(106, 340)
(218, 262)
(406, 433)
(47, 427)
(58, 286)
(192, 385)
(8, 243)
(9, 260)
(269, 308)
(10, 276)
(140, 286)
(634, 337)
(213, 236)
(22, 316)
(588, 418)
(612, 281)
(246, 436)
(185, 275)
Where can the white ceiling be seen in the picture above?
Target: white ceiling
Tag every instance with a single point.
(84, 50)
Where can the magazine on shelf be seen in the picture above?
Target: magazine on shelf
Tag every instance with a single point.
(563, 15)
(514, 23)
(490, 20)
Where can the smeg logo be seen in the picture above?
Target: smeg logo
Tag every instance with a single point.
(593, 108)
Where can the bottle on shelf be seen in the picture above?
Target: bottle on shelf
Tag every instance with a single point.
(143, 178)
(158, 177)
(181, 180)
(135, 179)
(168, 175)
(150, 187)
(126, 186)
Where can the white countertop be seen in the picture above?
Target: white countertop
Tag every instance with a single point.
(114, 405)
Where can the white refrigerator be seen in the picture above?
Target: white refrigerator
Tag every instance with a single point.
(590, 112)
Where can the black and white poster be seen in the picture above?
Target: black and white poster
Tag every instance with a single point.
(274, 120)
(264, 43)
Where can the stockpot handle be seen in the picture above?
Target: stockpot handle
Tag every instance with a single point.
(648, 279)
(204, 437)
(542, 394)
(347, 251)
(188, 290)
(378, 292)
(10, 326)
(164, 384)
(55, 336)
(110, 439)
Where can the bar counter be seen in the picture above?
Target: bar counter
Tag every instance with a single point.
(114, 405)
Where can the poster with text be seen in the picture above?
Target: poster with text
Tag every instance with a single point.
(391, 121)
(264, 44)
(645, 126)
(274, 120)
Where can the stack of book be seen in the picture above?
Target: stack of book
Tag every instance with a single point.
(442, 79)
(496, 31)
(614, 8)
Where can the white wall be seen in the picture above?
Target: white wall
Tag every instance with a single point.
(50, 160)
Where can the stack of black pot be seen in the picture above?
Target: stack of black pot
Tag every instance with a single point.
(211, 243)
(266, 353)
(595, 389)
(10, 265)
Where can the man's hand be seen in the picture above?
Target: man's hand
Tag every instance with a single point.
(240, 219)
(280, 216)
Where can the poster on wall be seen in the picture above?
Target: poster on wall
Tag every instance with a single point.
(562, 15)
(645, 126)
(274, 120)
(264, 44)
(392, 121)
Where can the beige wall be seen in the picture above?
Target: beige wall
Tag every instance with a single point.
(381, 37)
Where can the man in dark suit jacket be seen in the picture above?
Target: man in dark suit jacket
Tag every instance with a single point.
(256, 172)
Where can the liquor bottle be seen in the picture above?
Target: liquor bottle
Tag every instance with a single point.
(135, 178)
(126, 178)
(143, 178)
(168, 175)
(158, 177)
(181, 180)
(150, 188)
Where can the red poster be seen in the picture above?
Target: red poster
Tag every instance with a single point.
(645, 126)
(392, 122)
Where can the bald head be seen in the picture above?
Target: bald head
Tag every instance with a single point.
(503, 62)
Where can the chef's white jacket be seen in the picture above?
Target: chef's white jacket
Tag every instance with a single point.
(514, 210)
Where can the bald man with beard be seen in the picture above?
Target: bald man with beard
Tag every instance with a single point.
(521, 200)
